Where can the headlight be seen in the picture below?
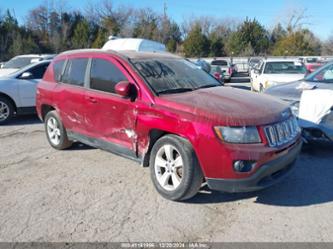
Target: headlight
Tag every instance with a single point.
(270, 83)
(239, 135)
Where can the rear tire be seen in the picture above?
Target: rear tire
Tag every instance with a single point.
(55, 131)
(174, 167)
(6, 110)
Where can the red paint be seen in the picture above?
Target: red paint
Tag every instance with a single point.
(123, 88)
(311, 67)
(191, 115)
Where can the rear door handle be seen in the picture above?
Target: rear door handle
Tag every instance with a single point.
(91, 99)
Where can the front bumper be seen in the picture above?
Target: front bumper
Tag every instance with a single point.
(267, 175)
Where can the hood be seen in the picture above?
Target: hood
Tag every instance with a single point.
(227, 106)
(284, 78)
(6, 71)
(290, 91)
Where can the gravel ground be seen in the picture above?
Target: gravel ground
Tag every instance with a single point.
(86, 194)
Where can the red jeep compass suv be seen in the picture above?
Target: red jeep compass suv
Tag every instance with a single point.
(164, 112)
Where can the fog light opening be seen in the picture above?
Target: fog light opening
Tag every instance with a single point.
(244, 166)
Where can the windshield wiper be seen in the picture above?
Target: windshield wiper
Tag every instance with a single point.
(206, 86)
(175, 90)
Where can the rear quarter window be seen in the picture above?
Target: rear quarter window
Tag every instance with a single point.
(58, 68)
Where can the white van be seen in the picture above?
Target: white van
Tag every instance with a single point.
(135, 44)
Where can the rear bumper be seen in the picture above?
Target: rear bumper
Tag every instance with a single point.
(267, 175)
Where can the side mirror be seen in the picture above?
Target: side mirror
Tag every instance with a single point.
(26, 76)
(123, 88)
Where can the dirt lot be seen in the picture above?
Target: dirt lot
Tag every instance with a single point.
(86, 194)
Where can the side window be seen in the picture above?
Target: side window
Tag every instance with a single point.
(38, 71)
(75, 72)
(104, 75)
(58, 67)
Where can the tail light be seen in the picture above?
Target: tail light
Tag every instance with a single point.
(230, 70)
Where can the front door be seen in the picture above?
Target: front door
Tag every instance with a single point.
(110, 118)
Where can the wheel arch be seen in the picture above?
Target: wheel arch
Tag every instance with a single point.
(154, 136)
(45, 109)
(10, 99)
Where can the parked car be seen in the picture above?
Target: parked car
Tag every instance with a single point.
(18, 91)
(227, 68)
(276, 71)
(217, 73)
(164, 112)
(292, 92)
(21, 61)
(311, 63)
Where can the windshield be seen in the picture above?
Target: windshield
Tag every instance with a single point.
(19, 62)
(173, 75)
(285, 67)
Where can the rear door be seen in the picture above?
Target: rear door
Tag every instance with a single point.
(71, 91)
(110, 117)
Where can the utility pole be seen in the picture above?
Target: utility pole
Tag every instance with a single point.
(165, 19)
(165, 10)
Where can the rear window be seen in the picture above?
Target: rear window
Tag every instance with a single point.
(58, 67)
(104, 75)
(220, 63)
(75, 72)
(311, 60)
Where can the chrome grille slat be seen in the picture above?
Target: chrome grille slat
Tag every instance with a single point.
(282, 132)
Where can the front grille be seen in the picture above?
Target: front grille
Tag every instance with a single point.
(282, 133)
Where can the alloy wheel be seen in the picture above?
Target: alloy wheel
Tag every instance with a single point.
(168, 167)
(4, 111)
(53, 130)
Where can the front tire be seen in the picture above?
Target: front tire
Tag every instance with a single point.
(6, 110)
(55, 131)
(175, 170)
(261, 89)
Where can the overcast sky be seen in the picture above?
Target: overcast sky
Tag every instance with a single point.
(268, 12)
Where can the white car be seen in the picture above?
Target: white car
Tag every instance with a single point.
(276, 71)
(20, 61)
(18, 91)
